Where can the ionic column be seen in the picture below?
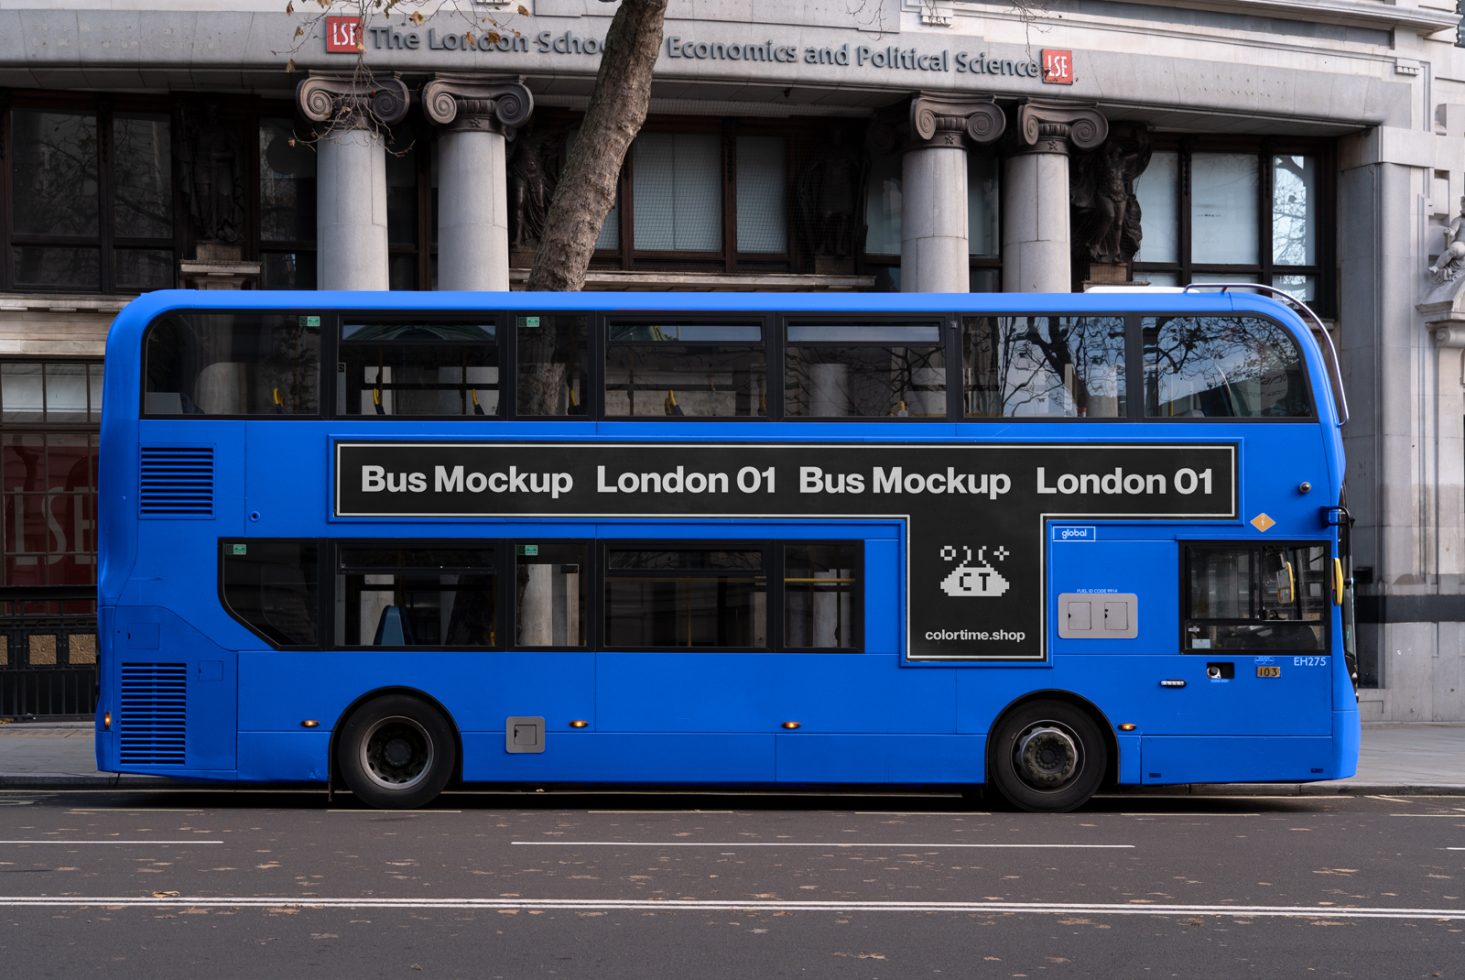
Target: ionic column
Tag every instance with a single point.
(481, 114)
(1035, 230)
(351, 175)
(933, 211)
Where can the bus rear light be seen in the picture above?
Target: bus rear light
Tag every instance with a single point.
(107, 720)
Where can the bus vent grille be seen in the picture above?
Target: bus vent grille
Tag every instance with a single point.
(153, 715)
(177, 483)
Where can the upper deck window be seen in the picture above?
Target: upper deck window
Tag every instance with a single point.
(419, 368)
(554, 361)
(232, 364)
(1222, 367)
(1043, 367)
(864, 370)
(666, 367)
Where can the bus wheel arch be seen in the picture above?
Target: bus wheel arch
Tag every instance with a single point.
(396, 748)
(1050, 750)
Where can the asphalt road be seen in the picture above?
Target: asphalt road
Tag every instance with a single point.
(238, 884)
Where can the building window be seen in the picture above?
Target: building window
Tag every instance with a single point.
(92, 192)
(49, 418)
(715, 201)
(1235, 214)
(286, 207)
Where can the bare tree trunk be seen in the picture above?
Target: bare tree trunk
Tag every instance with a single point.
(587, 188)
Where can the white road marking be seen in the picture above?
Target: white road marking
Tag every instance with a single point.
(830, 844)
(733, 905)
(1207, 815)
(87, 842)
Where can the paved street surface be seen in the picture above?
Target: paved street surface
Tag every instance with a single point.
(1394, 758)
(1358, 878)
(238, 884)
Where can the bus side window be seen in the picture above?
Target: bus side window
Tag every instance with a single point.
(232, 364)
(1222, 367)
(1043, 367)
(864, 370)
(668, 367)
(554, 362)
(419, 368)
(271, 587)
(1255, 598)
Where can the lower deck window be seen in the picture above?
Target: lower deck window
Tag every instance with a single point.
(388, 595)
(686, 597)
(548, 594)
(1246, 598)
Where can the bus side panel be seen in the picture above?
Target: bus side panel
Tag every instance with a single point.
(479, 690)
(812, 758)
(173, 709)
(1241, 759)
(600, 757)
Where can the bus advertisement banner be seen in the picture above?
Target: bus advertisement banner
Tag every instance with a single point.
(975, 515)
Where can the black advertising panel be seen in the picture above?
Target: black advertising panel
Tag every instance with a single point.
(974, 514)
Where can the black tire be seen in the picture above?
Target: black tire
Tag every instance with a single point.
(396, 753)
(1047, 756)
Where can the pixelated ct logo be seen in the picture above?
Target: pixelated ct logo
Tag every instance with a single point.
(1057, 67)
(343, 35)
(973, 580)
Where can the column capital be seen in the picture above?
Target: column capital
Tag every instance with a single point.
(945, 120)
(478, 103)
(352, 101)
(1050, 127)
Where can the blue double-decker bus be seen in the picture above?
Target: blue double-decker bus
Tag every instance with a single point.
(1046, 543)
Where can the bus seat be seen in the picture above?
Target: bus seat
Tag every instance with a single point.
(391, 629)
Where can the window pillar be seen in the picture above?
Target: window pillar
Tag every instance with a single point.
(934, 250)
(1035, 199)
(481, 114)
(351, 207)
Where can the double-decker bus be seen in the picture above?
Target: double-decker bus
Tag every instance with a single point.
(1046, 543)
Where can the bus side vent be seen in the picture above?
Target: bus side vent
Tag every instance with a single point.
(177, 482)
(153, 715)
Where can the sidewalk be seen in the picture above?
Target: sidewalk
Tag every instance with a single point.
(1395, 758)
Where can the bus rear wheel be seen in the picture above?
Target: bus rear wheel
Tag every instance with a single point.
(1047, 756)
(396, 753)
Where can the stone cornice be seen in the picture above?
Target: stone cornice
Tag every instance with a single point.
(482, 103)
(353, 102)
(1371, 14)
(1050, 127)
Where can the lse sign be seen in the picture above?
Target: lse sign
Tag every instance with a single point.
(343, 35)
(1057, 67)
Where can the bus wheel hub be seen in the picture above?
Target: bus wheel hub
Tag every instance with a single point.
(1047, 756)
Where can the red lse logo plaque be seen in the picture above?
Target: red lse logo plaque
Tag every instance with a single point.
(343, 35)
(1057, 67)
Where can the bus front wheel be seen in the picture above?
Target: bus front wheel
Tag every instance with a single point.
(396, 753)
(1047, 755)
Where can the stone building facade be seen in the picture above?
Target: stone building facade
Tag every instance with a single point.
(921, 145)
